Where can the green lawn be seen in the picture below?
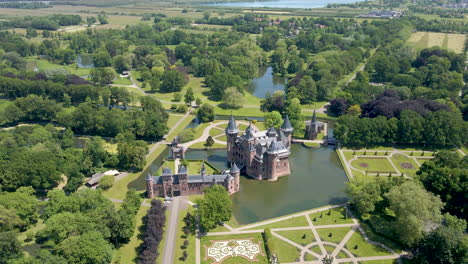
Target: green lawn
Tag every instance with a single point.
(337, 234)
(311, 144)
(285, 251)
(180, 238)
(301, 237)
(122, 81)
(216, 132)
(127, 253)
(45, 64)
(206, 241)
(337, 216)
(373, 165)
(201, 145)
(405, 164)
(358, 246)
(295, 221)
(173, 119)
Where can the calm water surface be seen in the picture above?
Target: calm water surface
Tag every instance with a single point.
(317, 179)
(265, 83)
(285, 3)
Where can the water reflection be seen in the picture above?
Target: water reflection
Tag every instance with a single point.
(266, 82)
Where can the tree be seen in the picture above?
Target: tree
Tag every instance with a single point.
(103, 19)
(89, 248)
(23, 203)
(410, 126)
(215, 207)
(294, 112)
(95, 151)
(339, 106)
(155, 84)
(154, 231)
(172, 81)
(102, 76)
(106, 182)
(233, 98)
(10, 247)
(209, 141)
(354, 110)
(220, 81)
(189, 97)
(415, 210)
(121, 63)
(102, 59)
(273, 119)
(445, 245)
(132, 154)
(206, 113)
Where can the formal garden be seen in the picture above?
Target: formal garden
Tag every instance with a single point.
(383, 161)
(311, 235)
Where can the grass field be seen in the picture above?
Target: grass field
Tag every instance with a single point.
(45, 64)
(301, 237)
(453, 42)
(373, 165)
(337, 216)
(180, 238)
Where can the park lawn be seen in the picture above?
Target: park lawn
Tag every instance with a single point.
(291, 222)
(381, 261)
(244, 111)
(453, 42)
(180, 238)
(373, 164)
(194, 167)
(313, 105)
(201, 145)
(128, 252)
(173, 119)
(255, 238)
(222, 138)
(199, 129)
(298, 236)
(337, 233)
(216, 132)
(136, 76)
(311, 144)
(337, 216)
(180, 128)
(122, 81)
(358, 246)
(72, 68)
(405, 164)
(285, 251)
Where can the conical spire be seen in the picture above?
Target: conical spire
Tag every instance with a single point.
(272, 148)
(203, 169)
(314, 117)
(286, 127)
(234, 168)
(232, 127)
(148, 177)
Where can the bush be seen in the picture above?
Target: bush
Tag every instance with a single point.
(270, 250)
(187, 135)
(182, 109)
(106, 182)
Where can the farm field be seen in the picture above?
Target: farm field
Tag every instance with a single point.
(453, 42)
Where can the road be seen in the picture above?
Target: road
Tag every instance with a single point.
(179, 203)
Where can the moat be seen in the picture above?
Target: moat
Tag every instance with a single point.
(317, 179)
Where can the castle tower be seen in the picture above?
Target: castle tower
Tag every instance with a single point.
(149, 187)
(235, 172)
(167, 182)
(271, 161)
(182, 173)
(313, 129)
(287, 129)
(231, 134)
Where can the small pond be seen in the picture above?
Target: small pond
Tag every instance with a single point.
(85, 61)
(266, 83)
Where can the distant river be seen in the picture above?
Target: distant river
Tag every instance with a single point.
(285, 3)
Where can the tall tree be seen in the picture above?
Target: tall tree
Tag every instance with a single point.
(215, 207)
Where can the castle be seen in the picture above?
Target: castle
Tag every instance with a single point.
(262, 155)
(171, 184)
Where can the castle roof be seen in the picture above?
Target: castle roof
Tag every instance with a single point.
(271, 130)
(167, 171)
(148, 177)
(287, 125)
(249, 133)
(182, 170)
(234, 168)
(232, 127)
(277, 147)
